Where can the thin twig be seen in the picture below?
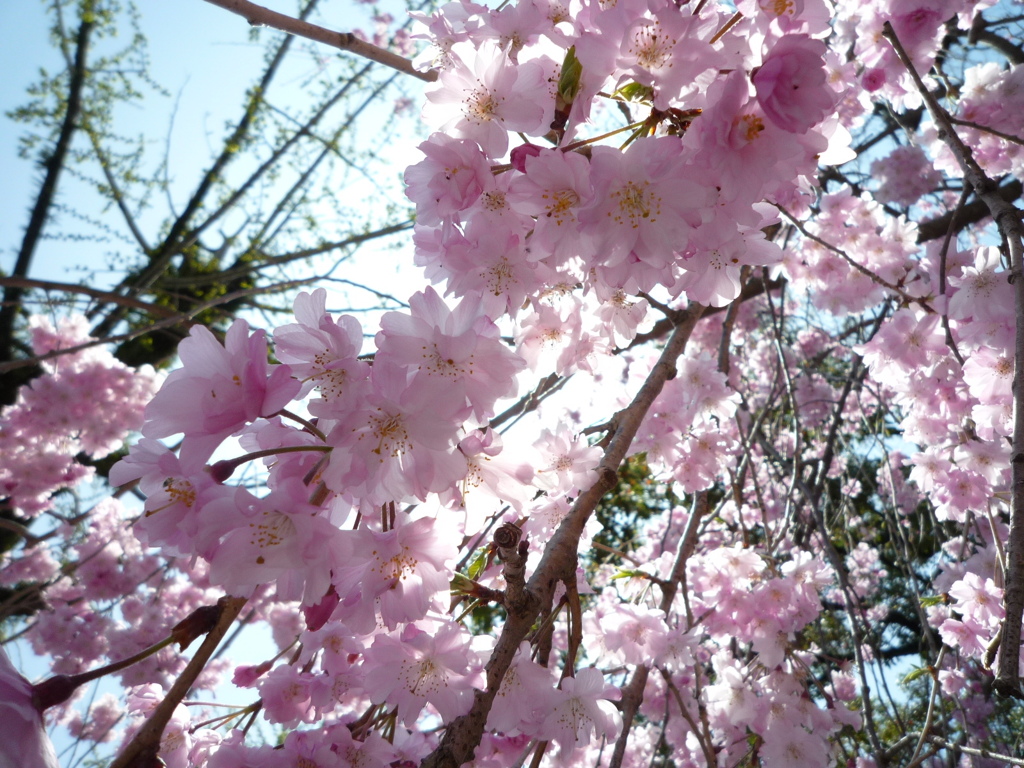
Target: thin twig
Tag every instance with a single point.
(849, 260)
(950, 341)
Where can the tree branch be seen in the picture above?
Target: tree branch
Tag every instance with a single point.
(559, 560)
(258, 16)
(54, 163)
(178, 236)
(145, 745)
(1008, 220)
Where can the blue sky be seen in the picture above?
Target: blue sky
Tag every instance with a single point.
(200, 54)
(196, 49)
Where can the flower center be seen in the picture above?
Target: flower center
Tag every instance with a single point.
(636, 202)
(652, 47)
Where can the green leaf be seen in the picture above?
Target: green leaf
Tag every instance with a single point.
(477, 566)
(569, 80)
(624, 574)
(915, 674)
(461, 584)
(635, 92)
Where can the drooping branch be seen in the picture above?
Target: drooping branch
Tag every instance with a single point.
(633, 691)
(1008, 220)
(258, 16)
(559, 559)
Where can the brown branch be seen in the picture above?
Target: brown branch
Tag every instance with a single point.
(971, 213)
(50, 285)
(258, 16)
(856, 265)
(559, 560)
(943, 253)
(985, 129)
(1008, 220)
(633, 691)
(145, 745)
(168, 322)
(751, 289)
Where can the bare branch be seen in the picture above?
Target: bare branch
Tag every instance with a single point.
(258, 16)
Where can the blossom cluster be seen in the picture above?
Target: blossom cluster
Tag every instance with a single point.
(85, 404)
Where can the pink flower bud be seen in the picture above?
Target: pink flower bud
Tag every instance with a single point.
(520, 153)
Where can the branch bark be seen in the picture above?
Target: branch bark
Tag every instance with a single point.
(144, 746)
(559, 560)
(258, 16)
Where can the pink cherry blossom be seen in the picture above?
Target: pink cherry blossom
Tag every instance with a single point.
(644, 202)
(400, 444)
(484, 101)
(456, 349)
(422, 667)
(450, 179)
(218, 389)
(401, 573)
(322, 352)
(554, 188)
(581, 710)
(526, 688)
(791, 84)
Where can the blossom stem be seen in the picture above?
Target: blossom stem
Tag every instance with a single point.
(222, 470)
(732, 22)
(602, 137)
(304, 422)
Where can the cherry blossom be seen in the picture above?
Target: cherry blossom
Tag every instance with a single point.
(582, 707)
(218, 389)
(422, 667)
